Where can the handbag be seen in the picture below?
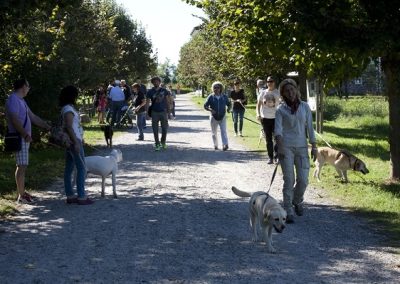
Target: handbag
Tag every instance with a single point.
(59, 136)
(13, 140)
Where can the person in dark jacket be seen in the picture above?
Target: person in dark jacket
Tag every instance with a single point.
(218, 104)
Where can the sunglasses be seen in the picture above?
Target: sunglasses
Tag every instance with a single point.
(270, 81)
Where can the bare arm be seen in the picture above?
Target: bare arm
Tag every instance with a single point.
(38, 121)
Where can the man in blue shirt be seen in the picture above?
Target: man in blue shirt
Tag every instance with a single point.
(161, 103)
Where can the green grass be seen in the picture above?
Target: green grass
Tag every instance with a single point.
(360, 125)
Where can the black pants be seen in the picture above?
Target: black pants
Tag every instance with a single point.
(268, 125)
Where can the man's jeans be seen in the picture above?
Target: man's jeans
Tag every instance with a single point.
(72, 160)
(214, 129)
(163, 118)
(295, 158)
(140, 119)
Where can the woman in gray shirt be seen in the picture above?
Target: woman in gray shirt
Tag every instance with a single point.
(293, 124)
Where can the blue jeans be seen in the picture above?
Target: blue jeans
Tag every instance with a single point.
(72, 160)
(237, 116)
(140, 123)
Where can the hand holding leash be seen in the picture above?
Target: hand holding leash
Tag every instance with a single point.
(314, 152)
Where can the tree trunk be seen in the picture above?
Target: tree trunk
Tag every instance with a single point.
(303, 84)
(391, 68)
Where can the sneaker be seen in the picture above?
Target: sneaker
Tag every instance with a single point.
(163, 146)
(289, 219)
(270, 161)
(71, 200)
(240, 134)
(139, 139)
(235, 134)
(86, 201)
(298, 208)
(158, 147)
(25, 199)
(226, 147)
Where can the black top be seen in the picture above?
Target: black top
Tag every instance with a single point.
(238, 96)
(139, 100)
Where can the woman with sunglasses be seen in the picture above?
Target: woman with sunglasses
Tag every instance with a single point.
(267, 104)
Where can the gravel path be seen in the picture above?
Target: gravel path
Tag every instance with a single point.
(177, 221)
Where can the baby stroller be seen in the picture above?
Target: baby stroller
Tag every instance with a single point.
(127, 116)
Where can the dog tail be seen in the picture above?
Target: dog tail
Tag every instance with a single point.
(240, 193)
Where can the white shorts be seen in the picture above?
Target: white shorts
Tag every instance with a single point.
(22, 157)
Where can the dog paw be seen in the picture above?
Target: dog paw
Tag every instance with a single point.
(271, 250)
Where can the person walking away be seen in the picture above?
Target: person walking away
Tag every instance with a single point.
(143, 89)
(293, 124)
(267, 104)
(74, 155)
(239, 101)
(19, 119)
(140, 110)
(218, 104)
(101, 105)
(173, 98)
(117, 97)
(160, 100)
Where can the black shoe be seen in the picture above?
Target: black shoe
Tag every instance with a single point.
(215, 148)
(270, 161)
(225, 148)
(289, 219)
(299, 209)
(139, 139)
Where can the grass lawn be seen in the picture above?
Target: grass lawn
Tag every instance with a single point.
(359, 125)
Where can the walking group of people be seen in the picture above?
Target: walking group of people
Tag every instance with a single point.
(118, 95)
(282, 114)
(286, 123)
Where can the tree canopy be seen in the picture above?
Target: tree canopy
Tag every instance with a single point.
(79, 42)
(329, 40)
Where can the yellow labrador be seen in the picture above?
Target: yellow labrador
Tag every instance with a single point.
(265, 211)
(342, 160)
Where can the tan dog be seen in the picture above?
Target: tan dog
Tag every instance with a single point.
(265, 211)
(342, 160)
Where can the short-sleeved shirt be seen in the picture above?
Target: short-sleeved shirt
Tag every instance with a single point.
(117, 94)
(267, 111)
(76, 122)
(238, 96)
(139, 100)
(158, 99)
(18, 106)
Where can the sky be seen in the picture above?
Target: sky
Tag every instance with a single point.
(168, 24)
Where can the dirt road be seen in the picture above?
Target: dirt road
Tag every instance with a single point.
(177, 221)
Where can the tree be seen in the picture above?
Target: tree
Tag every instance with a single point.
(327, 39)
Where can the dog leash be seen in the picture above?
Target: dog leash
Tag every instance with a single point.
(326, 142)
(273, 176)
